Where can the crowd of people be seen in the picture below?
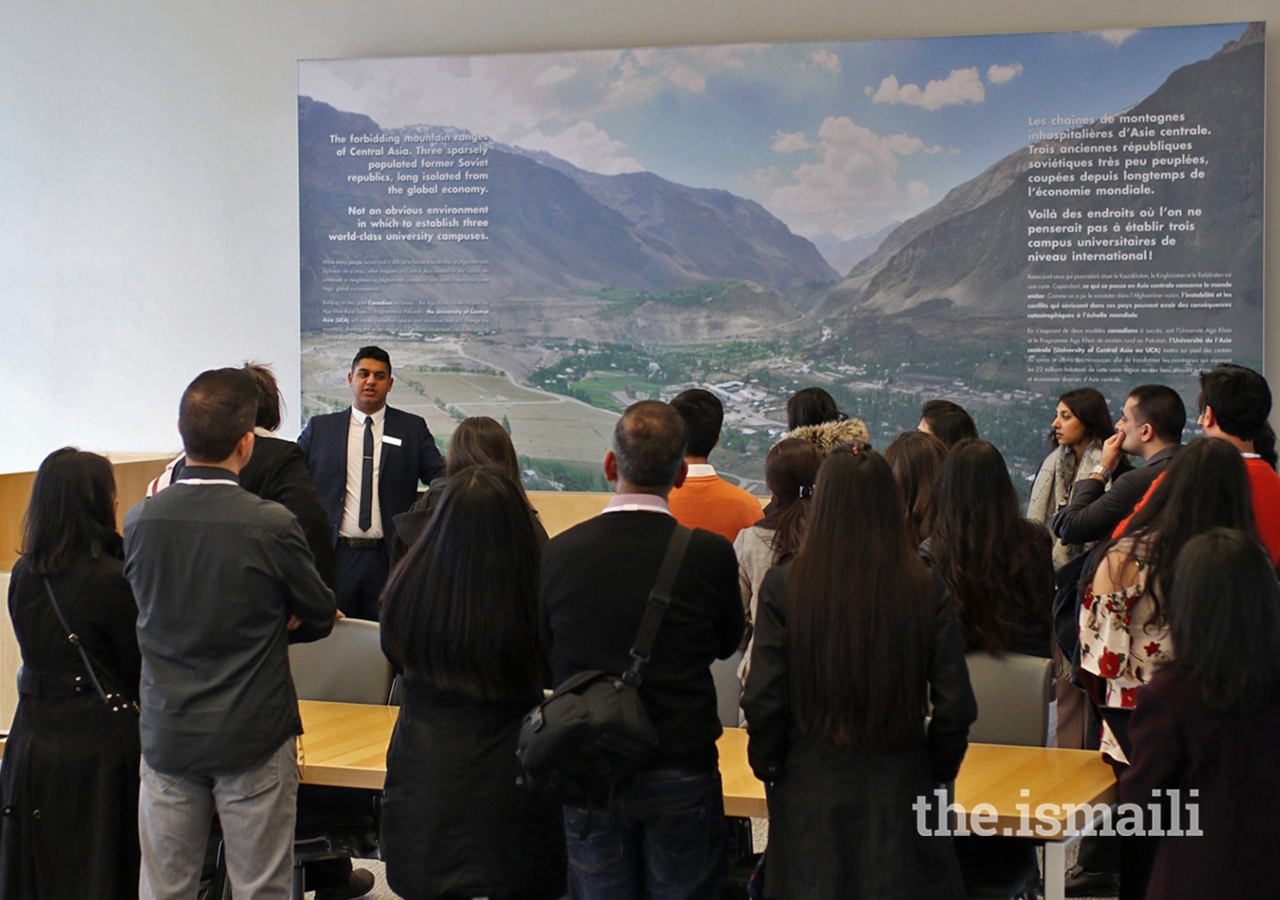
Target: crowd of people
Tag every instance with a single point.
(155, 687)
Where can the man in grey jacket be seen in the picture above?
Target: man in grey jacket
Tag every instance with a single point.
(224, 580)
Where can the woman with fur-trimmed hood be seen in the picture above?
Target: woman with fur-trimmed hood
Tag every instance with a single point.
(812, 416)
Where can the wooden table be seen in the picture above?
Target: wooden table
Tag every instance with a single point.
(346, 745)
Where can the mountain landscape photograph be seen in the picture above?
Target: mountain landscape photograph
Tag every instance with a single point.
(545, 238)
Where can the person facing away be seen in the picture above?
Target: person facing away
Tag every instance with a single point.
(855, 640)
(812, 414)
(366, 463)
(705, 500)
(276, 471)
(1150, 427)
(790, 469)
(1234, 404)
(947, 421)
(1124, 623)
(69, 783)
(477, 441)
(664, 832)
(461, 621)
(224, 580)
(1205, 729)
(998, 565)
(916, 458)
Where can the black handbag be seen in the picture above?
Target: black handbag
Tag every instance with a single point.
(593, 730)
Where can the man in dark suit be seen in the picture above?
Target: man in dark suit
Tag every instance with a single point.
(366, 463)
(596, 579)
(1150, 427)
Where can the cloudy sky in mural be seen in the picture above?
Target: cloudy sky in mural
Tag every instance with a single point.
(836, 138)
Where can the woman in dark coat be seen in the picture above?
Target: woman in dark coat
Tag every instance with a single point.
(1209, 722)
(70, 776)
(460, 619)
(854, 639)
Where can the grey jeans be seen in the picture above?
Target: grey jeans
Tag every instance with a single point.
(257, 808)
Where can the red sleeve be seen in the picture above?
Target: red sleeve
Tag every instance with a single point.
(1124, 525)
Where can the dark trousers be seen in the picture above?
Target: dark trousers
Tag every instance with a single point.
(362, 572)
(664, 838)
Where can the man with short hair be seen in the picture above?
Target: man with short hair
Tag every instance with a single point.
(1234, 404)
(1150, 426)
(366, 463)
(706, 500)
(596, 579)
(223, 581)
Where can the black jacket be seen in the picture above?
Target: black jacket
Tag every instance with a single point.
(457, 819)
(70, 773)
(1093, 512)
(596, 578)
(843, 823)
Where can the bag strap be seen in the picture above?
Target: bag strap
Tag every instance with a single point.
(657, 604)
(74, 640)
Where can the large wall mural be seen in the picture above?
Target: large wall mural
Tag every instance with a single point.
(545, 238)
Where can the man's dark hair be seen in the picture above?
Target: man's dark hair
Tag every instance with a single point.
(1160, 407)
(216, 411)
(1239, 397)
(811, 406)
(371, 352)
(648, 444)
(269, 403)
(948, 422)
(703, 416)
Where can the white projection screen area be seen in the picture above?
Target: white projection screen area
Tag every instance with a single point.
(546, 238)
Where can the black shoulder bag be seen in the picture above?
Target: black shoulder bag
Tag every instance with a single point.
(116, 702)
(594, 729)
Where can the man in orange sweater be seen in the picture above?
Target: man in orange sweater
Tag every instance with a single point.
(706, 500)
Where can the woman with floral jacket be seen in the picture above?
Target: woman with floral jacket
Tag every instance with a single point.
(1124, 626)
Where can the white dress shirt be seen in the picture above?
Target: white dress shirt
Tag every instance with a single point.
(355, 463)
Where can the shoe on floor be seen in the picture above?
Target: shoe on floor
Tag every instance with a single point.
(359, 884)
(1092, 884)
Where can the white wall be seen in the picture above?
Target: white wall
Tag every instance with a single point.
(148, 168)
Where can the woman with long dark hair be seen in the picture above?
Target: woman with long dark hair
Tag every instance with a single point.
(477, 441)
(1124, 621)
(1205, 729)
(460, 618)
(997, 564)
(790, 469)
(855, 638)
(70, 773)
(1124, 613)
(916, 458)
(1081, 425)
